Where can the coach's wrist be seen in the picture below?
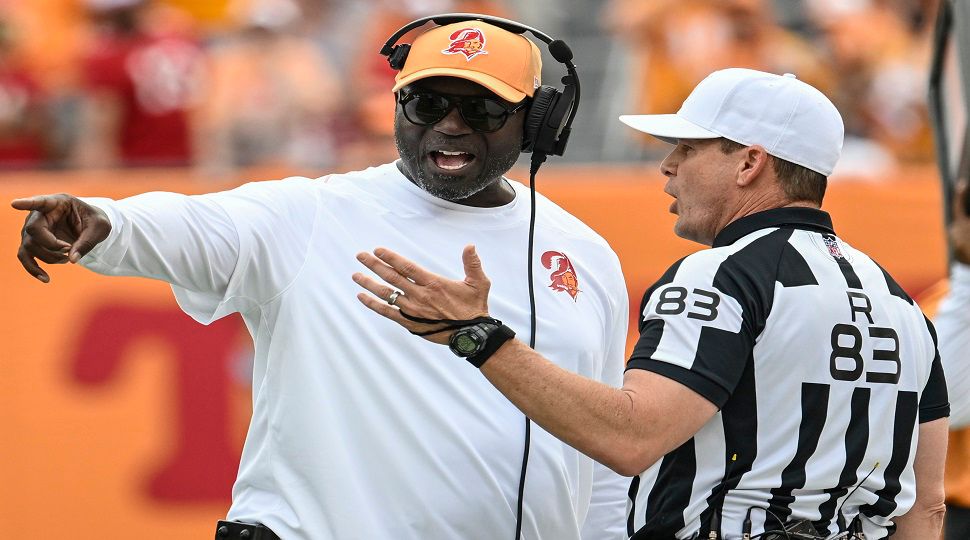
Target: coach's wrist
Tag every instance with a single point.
(478, 342)
(501, 335)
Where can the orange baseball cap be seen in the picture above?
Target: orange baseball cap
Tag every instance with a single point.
(506, 63)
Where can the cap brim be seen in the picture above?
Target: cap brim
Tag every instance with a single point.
(667, 127)
(500, 88)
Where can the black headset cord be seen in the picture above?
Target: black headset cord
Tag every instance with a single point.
(538, 159)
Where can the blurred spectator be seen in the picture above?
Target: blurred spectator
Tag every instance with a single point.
(141, 75)
(676, 43)
(335, 26)
(271, 94)
(879, 53)
(23, 119)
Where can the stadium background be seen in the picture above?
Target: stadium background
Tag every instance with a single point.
(126, 418)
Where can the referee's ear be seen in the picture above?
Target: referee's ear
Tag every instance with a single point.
(753, 163)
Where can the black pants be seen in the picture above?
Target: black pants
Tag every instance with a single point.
(233, 530)
(956, 525)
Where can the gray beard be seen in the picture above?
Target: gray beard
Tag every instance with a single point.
(445, 187)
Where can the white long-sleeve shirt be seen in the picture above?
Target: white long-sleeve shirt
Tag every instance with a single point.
(360, 430)
(952, 323)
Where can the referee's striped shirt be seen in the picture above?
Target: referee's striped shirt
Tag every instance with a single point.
(821, 367)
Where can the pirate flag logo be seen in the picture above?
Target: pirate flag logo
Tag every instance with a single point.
(563, 275)
(467, 41)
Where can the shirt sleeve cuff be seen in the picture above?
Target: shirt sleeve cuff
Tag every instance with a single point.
(704, 386)
(102, 255)
(933, 413)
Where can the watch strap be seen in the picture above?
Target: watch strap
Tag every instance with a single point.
(495, 340)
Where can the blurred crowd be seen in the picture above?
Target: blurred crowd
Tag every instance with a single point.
(224, 84)
(871, 57)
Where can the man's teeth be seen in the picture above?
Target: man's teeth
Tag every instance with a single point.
(452, 160)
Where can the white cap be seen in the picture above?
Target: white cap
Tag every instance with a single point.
(791, 119)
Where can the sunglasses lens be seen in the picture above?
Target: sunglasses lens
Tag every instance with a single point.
(426, 109)
(483, 114)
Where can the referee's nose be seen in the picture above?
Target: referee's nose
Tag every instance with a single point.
(669, 165)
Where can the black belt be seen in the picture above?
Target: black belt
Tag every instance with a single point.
(233, 530)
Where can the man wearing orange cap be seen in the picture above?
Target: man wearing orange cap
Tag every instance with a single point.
(350, 436)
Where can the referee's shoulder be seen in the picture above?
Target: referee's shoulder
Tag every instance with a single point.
(711, 259)
(751, 261)
(692, 267)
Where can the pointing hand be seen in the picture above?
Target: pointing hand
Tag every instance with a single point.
(59, 229)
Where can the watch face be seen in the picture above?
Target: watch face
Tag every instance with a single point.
(465, 343)
(470, 340)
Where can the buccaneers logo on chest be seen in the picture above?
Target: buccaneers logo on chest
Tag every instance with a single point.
(563, 274)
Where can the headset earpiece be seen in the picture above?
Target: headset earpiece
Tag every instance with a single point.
(547, 126)
(542, 102)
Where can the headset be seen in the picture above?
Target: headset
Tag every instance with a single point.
(545, 133)
(550, 117)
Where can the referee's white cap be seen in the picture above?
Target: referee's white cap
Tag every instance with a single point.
(791, 119)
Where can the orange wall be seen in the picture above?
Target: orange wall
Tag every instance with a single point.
(123, 415)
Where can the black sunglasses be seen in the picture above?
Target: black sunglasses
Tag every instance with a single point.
(481, 113)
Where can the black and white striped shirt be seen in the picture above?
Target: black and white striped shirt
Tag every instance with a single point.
(821, 367)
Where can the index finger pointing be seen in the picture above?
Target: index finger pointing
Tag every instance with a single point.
(404, 266)
(43, 203)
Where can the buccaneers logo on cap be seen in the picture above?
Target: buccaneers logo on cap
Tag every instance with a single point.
(467, 41)
(563, 275)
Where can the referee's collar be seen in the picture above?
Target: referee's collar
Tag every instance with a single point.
(796, 217)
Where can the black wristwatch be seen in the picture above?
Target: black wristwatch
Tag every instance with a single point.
(477, 342)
